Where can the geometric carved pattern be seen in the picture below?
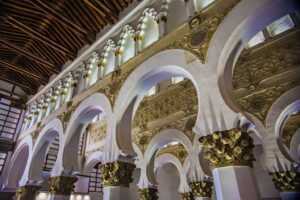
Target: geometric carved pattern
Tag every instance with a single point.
(257, 75)
(179, 151)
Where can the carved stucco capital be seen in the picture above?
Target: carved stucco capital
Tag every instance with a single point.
(27, 192)
(62, 185)
(228, 148)
(117, 173)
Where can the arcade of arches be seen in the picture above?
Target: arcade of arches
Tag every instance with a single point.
(194, 99)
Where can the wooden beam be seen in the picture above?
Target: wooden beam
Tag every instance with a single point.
(60, 18)
(29, 55)
(22, 71)
(26, 29)
(103, 14)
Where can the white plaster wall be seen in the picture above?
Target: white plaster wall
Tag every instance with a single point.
(168, 182)
(264, 181)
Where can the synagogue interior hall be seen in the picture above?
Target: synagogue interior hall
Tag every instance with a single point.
(149, 100)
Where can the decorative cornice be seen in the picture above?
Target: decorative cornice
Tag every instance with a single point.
(228, 148)
(202, 188)
(148, 194)
(62, 185)
(28, 192)
(117, 173)
(286, 181)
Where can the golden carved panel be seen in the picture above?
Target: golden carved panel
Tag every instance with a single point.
(179, 151)
(262, 74)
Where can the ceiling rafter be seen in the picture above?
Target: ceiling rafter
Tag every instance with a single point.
(37, 37)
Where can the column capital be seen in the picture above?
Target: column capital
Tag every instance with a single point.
(228, 148)
(201, 188)
(286, 181)
(62, 185)
(148, 194)
(27, 192)
(187, 196)
(117, 173)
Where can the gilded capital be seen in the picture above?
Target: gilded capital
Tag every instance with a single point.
(62, 185)
(27, 192)
(286, 181)
(148, 194)
(117, 173)
(228, 148)
(187, 196)
(201, 188)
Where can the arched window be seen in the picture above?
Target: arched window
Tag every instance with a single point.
(126, 45)
(283, 24)
(148, 28)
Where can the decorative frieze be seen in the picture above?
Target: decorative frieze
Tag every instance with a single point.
(28, 192)
(62, 185)
(228, 148)
(202, 188)
(148, 194)
(286, 181)
(117, 173)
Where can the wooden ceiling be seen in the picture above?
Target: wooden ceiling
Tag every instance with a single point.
(38, 36)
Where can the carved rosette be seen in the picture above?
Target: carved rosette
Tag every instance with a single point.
(228, 148)
(187, 196)
(148, 194)
(28, 192)
(62, 185)
(202, 188)
(288, 181)
(117, 173)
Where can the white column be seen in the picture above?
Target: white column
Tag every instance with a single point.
(235, 182)
(115, 193)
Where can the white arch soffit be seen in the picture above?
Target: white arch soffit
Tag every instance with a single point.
(295, 145)
(163, 137)
(246, 19)
(161, 66)
(91, 161)
(92, 106)
(281, 109)
(164, 159)
(51, 130)
(27, 141)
